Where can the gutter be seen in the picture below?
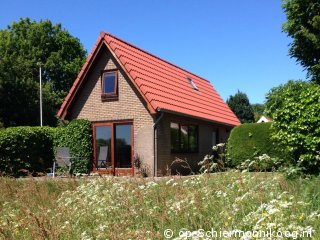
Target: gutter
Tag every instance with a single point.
(194, 117)
(155, 152)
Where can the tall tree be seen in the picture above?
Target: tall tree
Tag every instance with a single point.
(303, 26)
(23, 46)
(240, 105)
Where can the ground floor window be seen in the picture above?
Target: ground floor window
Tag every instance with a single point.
(215, 137)
(184, 138)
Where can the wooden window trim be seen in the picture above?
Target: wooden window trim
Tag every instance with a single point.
(112, 95)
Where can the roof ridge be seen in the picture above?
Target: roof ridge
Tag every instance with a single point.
(159, 58)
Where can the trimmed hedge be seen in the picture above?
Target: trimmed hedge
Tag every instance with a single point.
(33, 148)
(25, 148)
(249, 140)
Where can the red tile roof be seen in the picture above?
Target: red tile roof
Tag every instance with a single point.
(164, 86)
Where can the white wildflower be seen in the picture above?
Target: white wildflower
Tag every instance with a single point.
(169, 181)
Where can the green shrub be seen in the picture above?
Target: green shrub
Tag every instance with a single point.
(77, 135)
(28, 148)
(248, 141)
(297, 122)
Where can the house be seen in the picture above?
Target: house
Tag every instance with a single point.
(264, 119)
(144, 109)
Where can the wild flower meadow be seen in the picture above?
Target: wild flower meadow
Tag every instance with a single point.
(130, 208)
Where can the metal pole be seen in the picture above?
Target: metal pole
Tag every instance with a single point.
(40, 97)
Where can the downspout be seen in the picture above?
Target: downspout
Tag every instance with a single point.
(155, 152)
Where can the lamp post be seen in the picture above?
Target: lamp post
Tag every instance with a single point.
(40, 76)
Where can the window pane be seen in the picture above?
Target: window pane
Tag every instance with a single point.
(194, 86)
(103, 147)
(174, 137)
(109, 82)
(184, 138)
(123, 146)
(193, 138)
(214, 138)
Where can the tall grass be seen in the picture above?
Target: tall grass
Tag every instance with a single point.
(24, 204)
(116, 208)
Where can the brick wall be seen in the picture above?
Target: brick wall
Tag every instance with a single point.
(164, 155)
(129, 106)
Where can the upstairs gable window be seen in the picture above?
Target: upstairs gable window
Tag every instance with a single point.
(109, 84)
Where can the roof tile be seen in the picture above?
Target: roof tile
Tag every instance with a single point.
(164, 85)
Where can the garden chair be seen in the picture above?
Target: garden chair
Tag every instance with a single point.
(103, 157)
(63, 159)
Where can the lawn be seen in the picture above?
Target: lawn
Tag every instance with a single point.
(129, 208)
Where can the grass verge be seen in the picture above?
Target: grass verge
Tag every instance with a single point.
(114, 208)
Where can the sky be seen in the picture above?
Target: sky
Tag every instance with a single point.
(235, 44)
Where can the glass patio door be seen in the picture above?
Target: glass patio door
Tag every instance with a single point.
(113, 148)
(123, 146)
(103, 148)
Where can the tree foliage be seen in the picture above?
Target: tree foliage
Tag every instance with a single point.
(240, 105)
(23, 46)
(303, 26)
(258, 110)
(296, 127)
(275, 97)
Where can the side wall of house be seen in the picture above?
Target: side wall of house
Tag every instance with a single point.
(164, 155)
(129, 106)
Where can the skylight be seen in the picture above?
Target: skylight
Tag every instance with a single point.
(193, 85)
